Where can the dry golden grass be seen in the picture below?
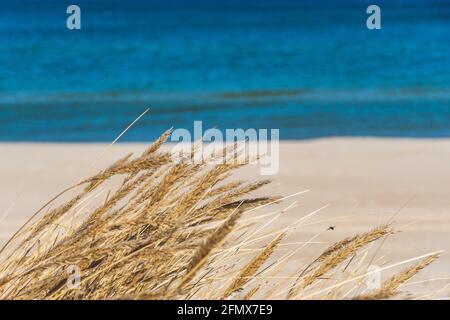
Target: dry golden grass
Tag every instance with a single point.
(171, 231)
(390, 287)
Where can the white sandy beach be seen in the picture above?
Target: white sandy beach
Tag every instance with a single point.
(365, 181)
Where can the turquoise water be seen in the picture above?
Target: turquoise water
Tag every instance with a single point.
(309, 68)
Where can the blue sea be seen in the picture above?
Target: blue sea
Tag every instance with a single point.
(310, 68)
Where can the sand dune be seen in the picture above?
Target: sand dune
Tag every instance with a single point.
(365, 181)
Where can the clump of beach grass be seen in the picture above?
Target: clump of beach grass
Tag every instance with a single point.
(173, 230)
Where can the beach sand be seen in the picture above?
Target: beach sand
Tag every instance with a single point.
(366, 181)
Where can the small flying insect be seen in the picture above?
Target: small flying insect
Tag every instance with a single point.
(331, 228)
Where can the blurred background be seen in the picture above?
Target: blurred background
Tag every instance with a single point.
(310, 68)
